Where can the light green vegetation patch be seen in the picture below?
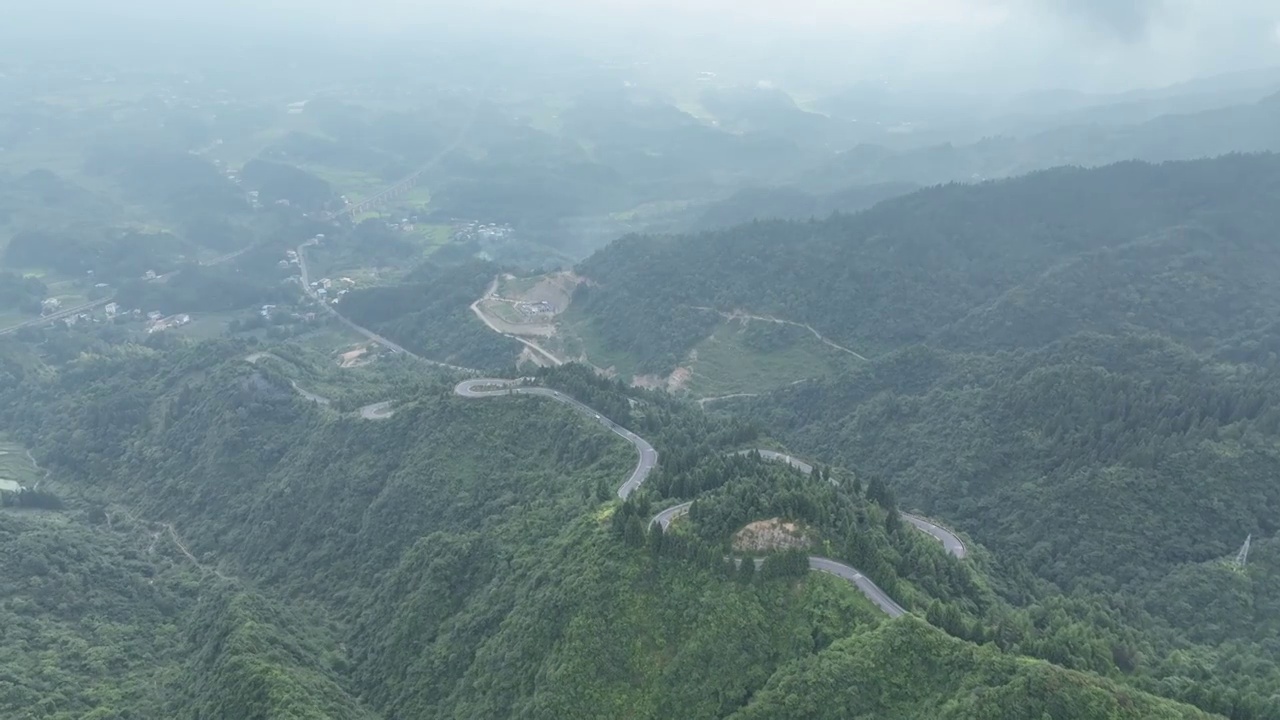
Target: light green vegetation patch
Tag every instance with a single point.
(758, 356)
(206, 326)
(430, 238)
(317, 371)
(655, 209)
(355, 184)
(504, 311)
(419, 196)
(13, 318)
(515, 287)
(578, 338)
(16, 466)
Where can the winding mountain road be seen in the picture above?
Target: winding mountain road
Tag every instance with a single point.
(376, 411)
(492, 387)
(305, 277)
(489, 323)
(950, 541)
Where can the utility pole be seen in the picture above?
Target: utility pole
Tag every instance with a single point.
(1242, 557)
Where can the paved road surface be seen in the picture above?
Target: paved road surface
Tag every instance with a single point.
(52, 317)
(666, 517)
(45, 319)
(377, 411)
(533, 347)
(793, 461)
(868, 588)
(953, 544)
(365, 332)
(320, 399)
(489, 387)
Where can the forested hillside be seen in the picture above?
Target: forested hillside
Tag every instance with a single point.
(1078, 366)
(462, 559)
(1253, 127)
(932, 265)
(429, 314)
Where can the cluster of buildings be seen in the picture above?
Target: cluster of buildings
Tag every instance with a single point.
(482, 231)
(331, 291)
(112, 312)
(268, 313)
(157, 323)
(536, 309)
(290, 260)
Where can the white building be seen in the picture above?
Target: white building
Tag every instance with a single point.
(112, 309)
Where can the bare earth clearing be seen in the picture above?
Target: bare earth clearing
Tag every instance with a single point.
(770, 535)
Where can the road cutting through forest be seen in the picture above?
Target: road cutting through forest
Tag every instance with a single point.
(648, 459)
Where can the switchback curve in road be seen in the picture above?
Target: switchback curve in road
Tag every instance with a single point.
(491, 387)
(950, 541)
(375, 411)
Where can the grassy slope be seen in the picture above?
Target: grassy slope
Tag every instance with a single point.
(725, 363)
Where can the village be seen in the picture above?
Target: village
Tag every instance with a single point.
(112, 312)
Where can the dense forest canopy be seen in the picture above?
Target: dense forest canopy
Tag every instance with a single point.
(939, 261)
(437, 564)
(260, 507)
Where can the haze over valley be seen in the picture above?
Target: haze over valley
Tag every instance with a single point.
(640, 359)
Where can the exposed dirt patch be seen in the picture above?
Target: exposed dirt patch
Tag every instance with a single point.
(354, 358)
(529, 306)
(679, 379)
(676, 381)
(770, 535)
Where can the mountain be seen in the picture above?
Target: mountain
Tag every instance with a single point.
(790, 203)
(942, 262)
(1253, 127)
(1081, 365)
(246, 551)
(938, 115)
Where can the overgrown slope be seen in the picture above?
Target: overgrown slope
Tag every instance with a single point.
(456, 560)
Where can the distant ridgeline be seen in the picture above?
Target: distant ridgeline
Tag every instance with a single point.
(1012, 264)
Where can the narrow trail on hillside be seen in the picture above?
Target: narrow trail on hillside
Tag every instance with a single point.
(739, 315)
(359, 329)
(182, 547)
(494, 387)
(703, 402)
(176, 539)
(42, 472)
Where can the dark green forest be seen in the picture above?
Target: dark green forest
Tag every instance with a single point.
(935, 265)
(1077, 368)
(1078, 371)
(428, 314)
(277, 559)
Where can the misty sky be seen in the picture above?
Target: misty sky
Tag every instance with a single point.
(1101, 45)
